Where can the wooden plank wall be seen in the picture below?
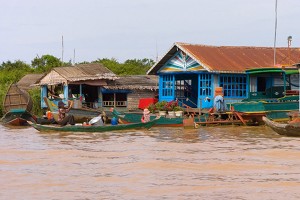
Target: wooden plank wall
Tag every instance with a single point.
(134, 98)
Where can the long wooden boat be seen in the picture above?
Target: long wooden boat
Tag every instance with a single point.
(291, 129)
(17, 106)
(80, 114)
(135, 117)
(105, 128)
(205, 119)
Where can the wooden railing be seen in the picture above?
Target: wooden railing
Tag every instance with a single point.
(114, 103)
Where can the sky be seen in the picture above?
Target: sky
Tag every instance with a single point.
(137, 29)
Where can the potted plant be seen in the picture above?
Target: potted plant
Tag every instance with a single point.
(152, 108)
(178, 111)
(161, 107)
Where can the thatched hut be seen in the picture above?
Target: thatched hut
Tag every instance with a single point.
(82, 83)
(95, 86)
(28, 81)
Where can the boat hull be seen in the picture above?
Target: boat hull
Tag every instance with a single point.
(106, 128)
(292, 130)
(17, 118)
(278, 111)
(135, 117)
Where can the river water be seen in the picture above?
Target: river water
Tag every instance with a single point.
(163, 163)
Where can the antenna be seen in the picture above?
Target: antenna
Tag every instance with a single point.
(74, 58)
(62, 48)
(156, 52)
(289, 39)
(275, 33)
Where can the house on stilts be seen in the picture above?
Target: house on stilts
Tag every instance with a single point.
(193, 73)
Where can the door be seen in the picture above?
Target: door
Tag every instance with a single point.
(205, 90)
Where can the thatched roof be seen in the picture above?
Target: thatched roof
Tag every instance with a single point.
(28, 81)
(78, 73)
(134, 82)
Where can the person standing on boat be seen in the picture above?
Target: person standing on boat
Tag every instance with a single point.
(64, 119)
(146, 116)
(219, 103)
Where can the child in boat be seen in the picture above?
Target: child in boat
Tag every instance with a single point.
(146, 116)
(64, 119)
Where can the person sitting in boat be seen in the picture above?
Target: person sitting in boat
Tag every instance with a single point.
(146, 116)
(63, 118)
(219, 103)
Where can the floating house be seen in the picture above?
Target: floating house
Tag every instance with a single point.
(94, 86)
(130, 91)
(193, 73)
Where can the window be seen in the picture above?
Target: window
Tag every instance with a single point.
(167, 85)
(205, 81)
(233, 85)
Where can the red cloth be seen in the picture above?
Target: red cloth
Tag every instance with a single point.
(145, 102)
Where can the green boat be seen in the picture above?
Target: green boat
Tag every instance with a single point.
(274, 96)
(163, 121)
(95, 129)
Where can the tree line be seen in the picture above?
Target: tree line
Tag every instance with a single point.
(12, 72)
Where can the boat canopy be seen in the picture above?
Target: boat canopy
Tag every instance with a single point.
(272, 70)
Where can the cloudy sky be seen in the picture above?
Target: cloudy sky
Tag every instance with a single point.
(128, 29)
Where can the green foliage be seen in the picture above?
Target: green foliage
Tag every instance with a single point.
(35, 95)
(129, 67)
(3, 90)
(161, 106)
(45, 63)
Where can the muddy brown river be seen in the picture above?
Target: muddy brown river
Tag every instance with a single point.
(162, 163)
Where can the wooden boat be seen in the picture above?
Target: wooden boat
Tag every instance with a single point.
(135, 117)
(81, 128)
(18, 118)
(17, 106)
(287, 129)
(80, 114)
(164, 121)
(277, 110)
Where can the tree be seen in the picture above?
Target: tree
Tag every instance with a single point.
(45, 63)
(129, 67)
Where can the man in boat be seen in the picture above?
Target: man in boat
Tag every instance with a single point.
(63, 118)
(146, 116)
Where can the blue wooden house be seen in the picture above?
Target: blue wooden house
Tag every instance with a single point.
(192, 73)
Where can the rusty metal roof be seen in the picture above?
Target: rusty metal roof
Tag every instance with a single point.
(232, 58)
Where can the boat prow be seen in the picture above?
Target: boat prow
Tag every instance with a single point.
(287, 129)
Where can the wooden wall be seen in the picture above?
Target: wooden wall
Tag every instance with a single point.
(134, 98)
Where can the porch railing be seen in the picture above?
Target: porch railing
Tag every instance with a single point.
(114, 103)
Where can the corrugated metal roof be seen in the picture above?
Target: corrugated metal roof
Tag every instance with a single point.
(232, 58)
(136, 82)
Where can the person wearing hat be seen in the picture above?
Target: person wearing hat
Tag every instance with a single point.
(146, 116)
(64, 119)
